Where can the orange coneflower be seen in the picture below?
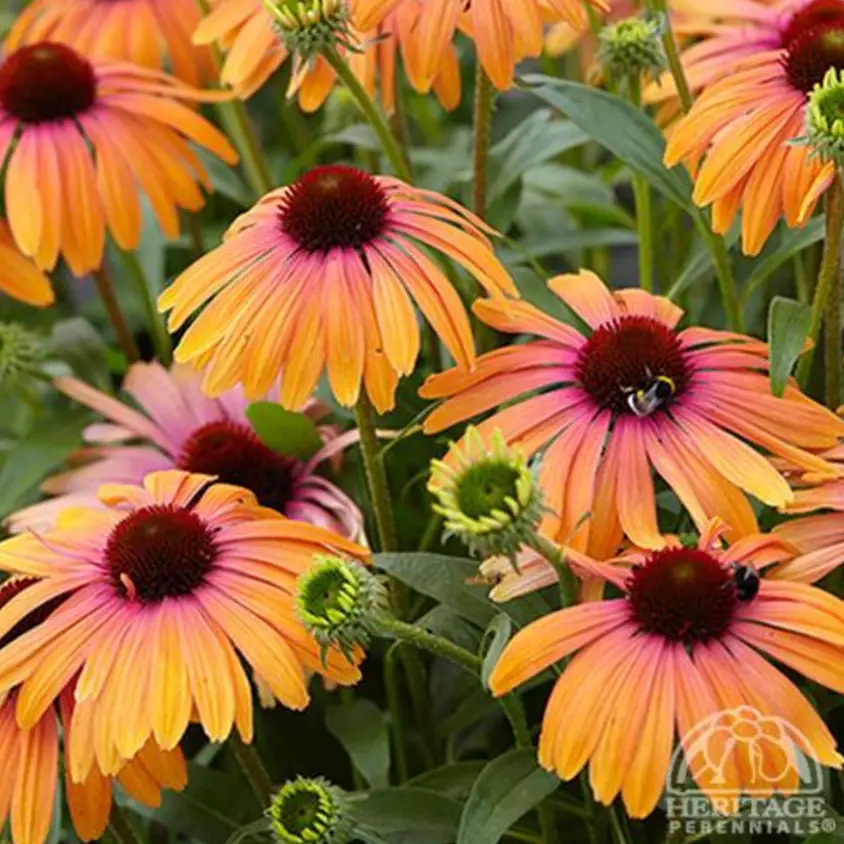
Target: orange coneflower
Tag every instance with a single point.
(245, 29)
(31, 758)
(316, 276)
(19, 277)
(180, 428)
(633, 395)
(81, 137)
(738, 136)
(153, 33)
(680, 647)
(504, 31)
(164, 595)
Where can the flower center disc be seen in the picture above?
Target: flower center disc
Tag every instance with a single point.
(814, 43)
(334, 207)
(234, 454)
(683, 594)
(159, 552)
(629, 355)
(484, 488)
(45, 82)
(13, 586)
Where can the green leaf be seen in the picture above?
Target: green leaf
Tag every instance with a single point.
(213, 808)
(791, 241)
(288, 433)
(444, 578)
(408, 815)
(32, 458)
(788, 325)
(625, 131)
(79, 345)
(507, 788)
(361, 727)
(539, 138)
(498, 632)
(455, 780)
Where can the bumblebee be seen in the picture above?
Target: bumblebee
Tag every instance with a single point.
(657, 391)
(746, 580)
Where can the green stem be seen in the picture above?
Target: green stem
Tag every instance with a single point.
(618, 833)
(832, 342)
(155, 321)
(427, 641)
(391, 687)
(484, 101)
(555, 556)
(371, 112)
(376, 476)
(672, 54)
(829, 269)
(724, 274)
(253, 769)
(644, 215)
(197, 239)
(121, 328)
(120, 827)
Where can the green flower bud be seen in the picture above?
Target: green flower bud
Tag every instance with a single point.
(630, 49)
(309, 811)
(336, 599)
(487, 495)
(307, 27)
(824, 131)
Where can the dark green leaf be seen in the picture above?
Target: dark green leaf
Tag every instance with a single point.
(791, 241)
(30, 460)
(625, 131)
(213, 807)
(409, 815)
(444, 578)
(361, 727)
(288, 433)
(506, 789)
(78, 344)
(498, 634)
(454, 780)
(788, 325)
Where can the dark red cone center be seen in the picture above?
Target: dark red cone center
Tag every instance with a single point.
(159, 552)
(233, 452)
(633, 354)
(683, 594)
(334, 207)
(814, 43)
(45, 82)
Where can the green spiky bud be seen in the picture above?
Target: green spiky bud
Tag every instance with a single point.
(487, 495)
(824, 128)
(309, 811)
(336, 598)
(631, 49)
(308, 27)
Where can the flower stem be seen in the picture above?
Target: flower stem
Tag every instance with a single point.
(120, 827)
(426, 641)
(555, 556)
(253, 769)
(155, 321)
(672, 54)
(371, 112)
(724, 274)
(484, 102)
(644, 215)
(829, 276)
(124, 335)
(376, 476)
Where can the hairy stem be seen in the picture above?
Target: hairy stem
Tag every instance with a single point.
(121, 328)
